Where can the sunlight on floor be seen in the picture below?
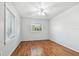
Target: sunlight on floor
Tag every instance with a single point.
(36, 51)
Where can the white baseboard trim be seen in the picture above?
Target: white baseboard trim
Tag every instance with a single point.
(34, 39)
(14, 49)
(65, 46)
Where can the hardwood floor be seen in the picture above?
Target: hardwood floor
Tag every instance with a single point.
(43, 48)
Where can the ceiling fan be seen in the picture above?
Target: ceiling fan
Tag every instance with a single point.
(41, 9)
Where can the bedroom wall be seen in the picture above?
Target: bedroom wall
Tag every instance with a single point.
(11, 44)
(64, 28)
(27, 34)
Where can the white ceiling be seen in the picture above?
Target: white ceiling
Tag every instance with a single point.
(51, 9)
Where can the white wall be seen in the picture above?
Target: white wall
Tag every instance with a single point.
(64, 28)
(1, 26)
(11, 44)
(26, 33)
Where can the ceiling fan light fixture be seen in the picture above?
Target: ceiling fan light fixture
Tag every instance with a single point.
(41, 13)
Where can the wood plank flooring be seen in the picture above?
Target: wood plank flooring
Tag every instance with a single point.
(46, 47)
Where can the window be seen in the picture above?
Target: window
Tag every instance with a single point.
(10, 24)
(37, 27)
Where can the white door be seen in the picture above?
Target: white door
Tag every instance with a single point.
(1, 27)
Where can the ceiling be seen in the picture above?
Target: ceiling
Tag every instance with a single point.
(42, 10)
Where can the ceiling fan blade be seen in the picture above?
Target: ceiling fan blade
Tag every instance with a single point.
(45, 13)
